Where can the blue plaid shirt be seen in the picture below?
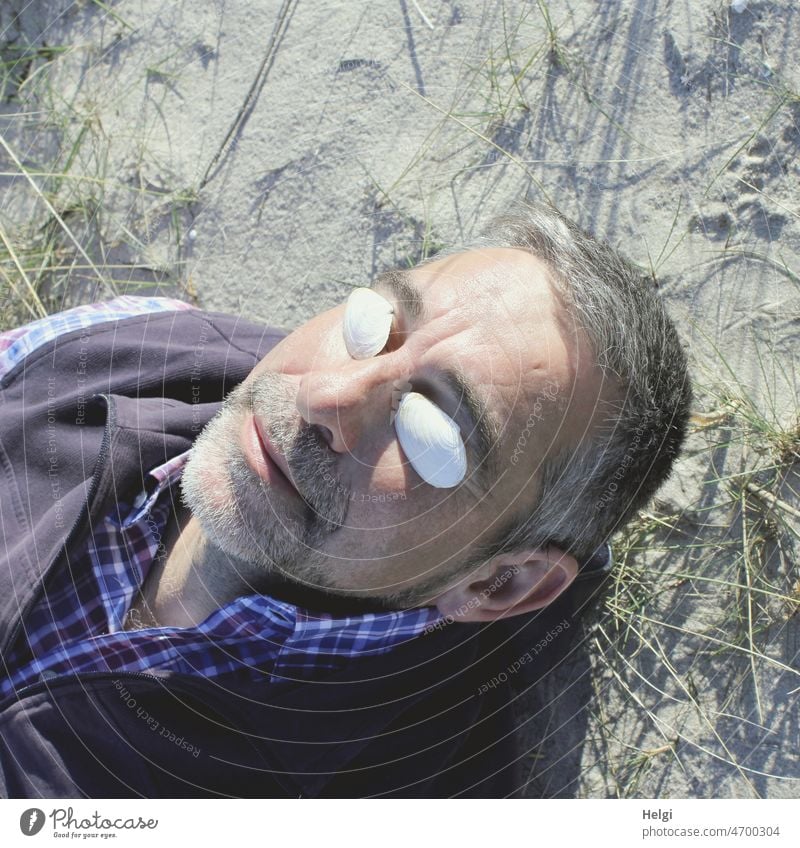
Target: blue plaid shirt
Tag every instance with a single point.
(77, 624)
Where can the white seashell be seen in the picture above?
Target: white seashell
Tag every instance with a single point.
(431, 441)
(738, 6)
(367, 323)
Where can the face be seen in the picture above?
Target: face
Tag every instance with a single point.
(303, 471)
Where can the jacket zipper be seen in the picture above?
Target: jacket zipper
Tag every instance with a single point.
(84, 513)
(45, 683)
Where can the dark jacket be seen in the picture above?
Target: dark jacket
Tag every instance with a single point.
(82, 420)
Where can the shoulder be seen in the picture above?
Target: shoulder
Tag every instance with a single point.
(132, 336)
(18, 343)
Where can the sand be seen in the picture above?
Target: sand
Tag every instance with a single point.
(260, 158)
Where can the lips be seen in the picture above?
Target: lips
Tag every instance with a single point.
(277, 467)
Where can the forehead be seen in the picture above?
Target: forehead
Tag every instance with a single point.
(496, 313)
(498, 275)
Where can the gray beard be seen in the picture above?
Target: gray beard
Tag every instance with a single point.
(236, 509)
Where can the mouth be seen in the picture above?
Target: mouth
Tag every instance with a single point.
(264, 459)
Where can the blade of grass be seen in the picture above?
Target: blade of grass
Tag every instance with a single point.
(51, 209)
(39, 306)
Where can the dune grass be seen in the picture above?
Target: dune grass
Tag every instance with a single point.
(60, 244)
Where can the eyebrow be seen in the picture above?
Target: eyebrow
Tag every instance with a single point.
(484, 427)
(404, 290)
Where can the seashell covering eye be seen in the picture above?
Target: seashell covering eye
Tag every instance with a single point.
(431, 440)
(367, 323)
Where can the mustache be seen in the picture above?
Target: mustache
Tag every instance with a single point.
(309, 458)
(312, 464)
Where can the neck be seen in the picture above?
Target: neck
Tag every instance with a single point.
(194, 578)
(183, 586)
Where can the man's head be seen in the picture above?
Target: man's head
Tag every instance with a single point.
(556, 361)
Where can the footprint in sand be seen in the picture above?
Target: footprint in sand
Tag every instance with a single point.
(744, 200)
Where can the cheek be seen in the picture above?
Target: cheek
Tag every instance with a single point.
(398, 521)
(396, 541)
(384, 540)
(381, 470)
(380, 517)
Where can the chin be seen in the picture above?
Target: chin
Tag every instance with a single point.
(233, 508)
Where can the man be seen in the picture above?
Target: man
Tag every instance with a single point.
(378, 500)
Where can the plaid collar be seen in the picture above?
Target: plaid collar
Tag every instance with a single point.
(76, 626)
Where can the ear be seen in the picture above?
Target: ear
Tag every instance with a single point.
(509, 584)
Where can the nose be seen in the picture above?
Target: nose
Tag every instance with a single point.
(349, 399)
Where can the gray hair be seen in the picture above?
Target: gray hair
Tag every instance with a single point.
(591, 489)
